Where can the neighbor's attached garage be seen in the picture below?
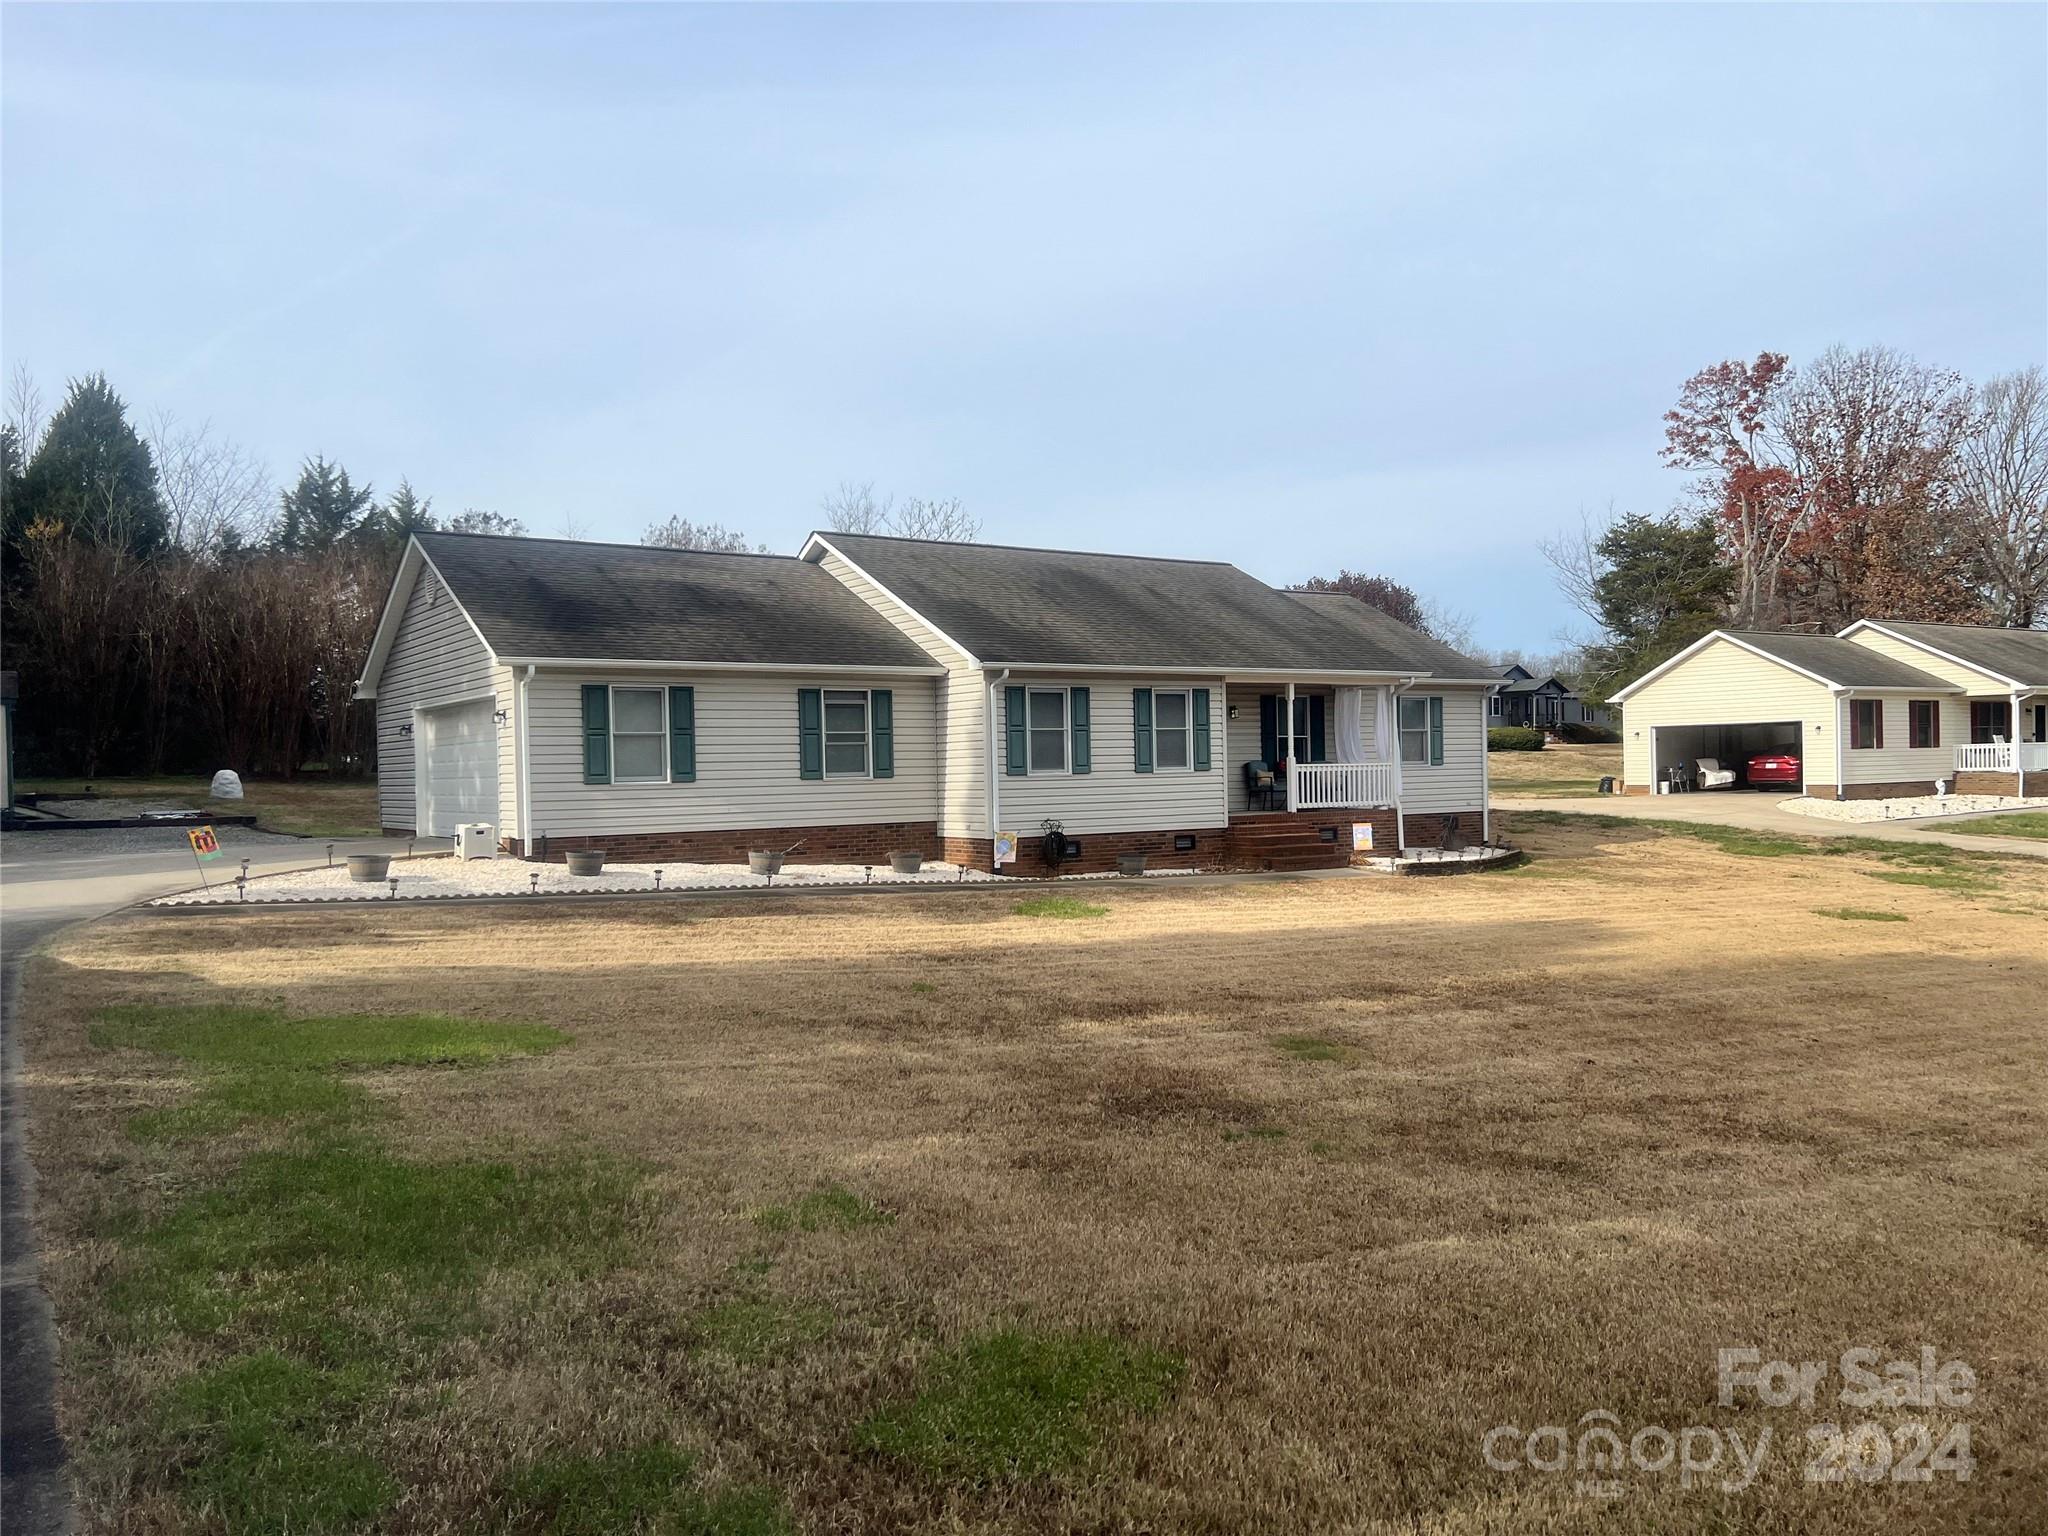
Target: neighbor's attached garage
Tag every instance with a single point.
(1725, 700)
(457, 749)
(1680, 750)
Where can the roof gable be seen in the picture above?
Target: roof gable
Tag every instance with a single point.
(1826, 659)
(2015, 657)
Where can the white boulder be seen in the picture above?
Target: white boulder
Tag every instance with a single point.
(227, 785)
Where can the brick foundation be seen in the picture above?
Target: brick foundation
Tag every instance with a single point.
(870, 843)
(1099, 852)
(1996, 783)
(1426, 828)
(1897, 789)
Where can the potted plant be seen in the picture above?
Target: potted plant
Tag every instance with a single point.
(1130, 863)
(369, 867)
(586, 861)
(904, 861)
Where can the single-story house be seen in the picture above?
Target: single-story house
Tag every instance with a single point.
(872, 694)
(1549, 703)
(1883, 709)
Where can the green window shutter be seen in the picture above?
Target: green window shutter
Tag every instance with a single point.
(597, 734)
(1318, 730)
(810, 734)
(682, 735)
(1141, 726)
(882, 723)
(1013, 732)
(1436, 730)
(1077, 703)
(1201, 718)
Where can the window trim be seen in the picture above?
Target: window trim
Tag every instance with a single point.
(867, 733)
(1065, 694)
(1186, 729)
(612, 731)
(1403, 731)
(1871, 737)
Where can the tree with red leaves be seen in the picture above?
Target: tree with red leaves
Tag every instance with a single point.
(1381, 592)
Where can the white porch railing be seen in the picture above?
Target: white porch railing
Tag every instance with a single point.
(2002, 756)
(1329, 786)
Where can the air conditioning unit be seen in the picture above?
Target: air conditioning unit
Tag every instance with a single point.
(476, 840)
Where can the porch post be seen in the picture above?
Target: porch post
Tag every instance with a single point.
(1287, 736)
(2019, 754)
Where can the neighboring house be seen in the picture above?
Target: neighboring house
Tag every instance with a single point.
(1882, 709)
(1548, 703)
(876, 693)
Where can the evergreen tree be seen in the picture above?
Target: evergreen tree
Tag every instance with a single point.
(1662, 584)
(404, 515)
(93, 474)
(322, 509)
(478, 520)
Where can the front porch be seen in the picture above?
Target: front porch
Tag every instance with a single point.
(1338, 749)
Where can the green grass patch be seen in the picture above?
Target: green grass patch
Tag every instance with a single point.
(1859, 915)
(1058, 906)
(262, 1037)
(923, 987)
(294, 1244)
(233, 1100)
(1015, 1405)
(1969, 864)
(646, 1488)
(832, 1207)
(759, 1330)
(262, 1443)
(2017, 824)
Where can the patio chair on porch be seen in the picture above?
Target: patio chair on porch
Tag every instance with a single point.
(1261, 784)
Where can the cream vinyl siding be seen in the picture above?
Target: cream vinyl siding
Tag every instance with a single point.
(747, 772)
(1727, 685)
(1113, 796)
(962, 707)
(1969, 679)
(1459, 782)
(1897, 762)
(436, 658)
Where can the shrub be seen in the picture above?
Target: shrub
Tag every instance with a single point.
(1514, 738)
(1583, 735)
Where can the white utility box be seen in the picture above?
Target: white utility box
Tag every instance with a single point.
(476, 840)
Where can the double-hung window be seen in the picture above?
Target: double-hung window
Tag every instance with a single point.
(1414, 730)
(1045, 713)
(1923, 723)
(1866, 723)
(846, 733)
(639, 736)
(1173, 730)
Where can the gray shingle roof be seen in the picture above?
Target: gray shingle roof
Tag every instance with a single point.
(2018, 654)
(1047, 607)
(1408, 649)
(1842, 662)
(539, 598)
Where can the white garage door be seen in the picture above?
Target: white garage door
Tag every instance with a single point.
(458, 767)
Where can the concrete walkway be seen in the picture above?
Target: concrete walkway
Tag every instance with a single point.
(1764, 813)
(49, 880)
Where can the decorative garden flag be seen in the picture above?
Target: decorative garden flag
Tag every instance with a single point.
(204, 844)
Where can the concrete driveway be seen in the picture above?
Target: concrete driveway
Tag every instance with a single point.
(1765, 813)
(49, 880)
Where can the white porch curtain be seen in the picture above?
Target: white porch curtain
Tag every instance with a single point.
(1350, 725)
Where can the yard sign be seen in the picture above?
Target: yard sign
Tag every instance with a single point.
(1361, 837)
(204, 846)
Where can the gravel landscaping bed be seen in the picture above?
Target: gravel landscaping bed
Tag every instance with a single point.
(442, 875)
(1907, 808)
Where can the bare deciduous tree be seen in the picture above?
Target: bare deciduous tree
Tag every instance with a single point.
(2002, 495)
(681, 533)
(216, 494)
(854, 508)
(1573, 555)
(25, 409)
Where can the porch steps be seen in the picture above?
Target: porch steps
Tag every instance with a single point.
(1279, 841)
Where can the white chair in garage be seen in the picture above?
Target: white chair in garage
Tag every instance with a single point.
(1713, 776)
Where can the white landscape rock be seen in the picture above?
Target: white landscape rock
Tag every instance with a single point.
(1908, 807)
(227, 785)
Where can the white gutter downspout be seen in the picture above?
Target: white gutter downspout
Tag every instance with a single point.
(1841, 733)
(1485, 769)
(2019, 751)
(995, 779)
(522, 764)
(1394, 725)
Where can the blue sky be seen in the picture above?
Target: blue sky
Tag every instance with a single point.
(1396, 289)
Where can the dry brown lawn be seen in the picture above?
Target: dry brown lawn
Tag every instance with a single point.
(1386, 1163)
(1556, 770)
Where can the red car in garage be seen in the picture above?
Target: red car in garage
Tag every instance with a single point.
(1774, 770)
